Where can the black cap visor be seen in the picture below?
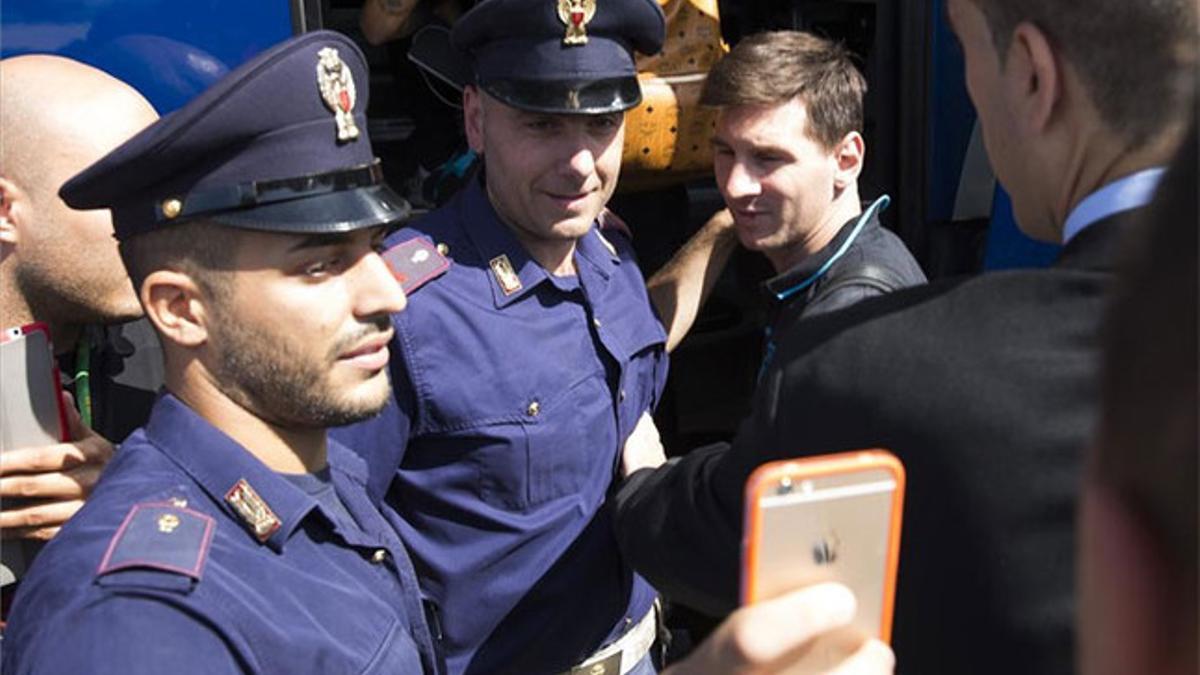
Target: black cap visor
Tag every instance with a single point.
(571, 97)
(341, 211)
(336, 201)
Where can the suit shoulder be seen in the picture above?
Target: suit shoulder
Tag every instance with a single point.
(933, 323)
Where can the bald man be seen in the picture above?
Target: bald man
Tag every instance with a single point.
(60, 266)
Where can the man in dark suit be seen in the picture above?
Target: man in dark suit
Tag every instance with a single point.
(984, 387)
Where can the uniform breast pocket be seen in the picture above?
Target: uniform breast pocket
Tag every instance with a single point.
(571, 442)
(396, 654)
(645, 375)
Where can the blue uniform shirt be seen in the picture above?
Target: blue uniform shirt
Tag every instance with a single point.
(158, 574)
(511, 406)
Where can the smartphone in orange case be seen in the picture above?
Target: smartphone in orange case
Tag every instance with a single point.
(826, 518)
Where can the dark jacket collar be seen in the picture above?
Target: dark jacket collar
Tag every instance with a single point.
(1097, 247)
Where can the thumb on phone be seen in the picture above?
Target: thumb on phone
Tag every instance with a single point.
(76, 430)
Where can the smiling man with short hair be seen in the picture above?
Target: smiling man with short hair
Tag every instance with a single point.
(788, 151)
(521, 370)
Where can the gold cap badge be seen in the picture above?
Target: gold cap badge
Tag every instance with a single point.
(505, 274)
(337, 90)
(253, 511)
(576, 14)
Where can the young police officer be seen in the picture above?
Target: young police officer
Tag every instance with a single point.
(228, 535)
(519, 373)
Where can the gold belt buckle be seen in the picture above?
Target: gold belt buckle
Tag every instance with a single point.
(608, 666)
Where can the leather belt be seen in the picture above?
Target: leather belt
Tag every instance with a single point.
(619, 657)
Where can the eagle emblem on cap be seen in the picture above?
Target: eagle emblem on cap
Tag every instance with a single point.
(576, 14)
(337, 90)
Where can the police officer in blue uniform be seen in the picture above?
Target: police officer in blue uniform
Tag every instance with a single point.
(521, 370)
(228, 535)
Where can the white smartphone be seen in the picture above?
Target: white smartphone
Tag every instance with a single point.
(826, 518)
(31, 415)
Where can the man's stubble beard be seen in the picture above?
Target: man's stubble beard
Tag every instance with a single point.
(269, 378)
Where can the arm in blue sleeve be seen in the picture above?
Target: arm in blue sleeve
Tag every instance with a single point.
(130, 635)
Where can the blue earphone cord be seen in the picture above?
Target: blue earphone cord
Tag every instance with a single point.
(877, 205)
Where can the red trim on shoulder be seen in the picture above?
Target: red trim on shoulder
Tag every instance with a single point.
(195, 571)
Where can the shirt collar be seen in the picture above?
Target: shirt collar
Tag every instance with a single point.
(217, 463)
(800, 276)
(1130, 192)
(596, 249)
(492, 239)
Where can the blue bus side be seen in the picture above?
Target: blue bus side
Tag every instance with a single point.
(170, 50)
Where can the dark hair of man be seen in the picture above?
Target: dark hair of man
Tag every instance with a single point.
(774, 67)
(199, 249)
(1147, 446)
(1135, 57)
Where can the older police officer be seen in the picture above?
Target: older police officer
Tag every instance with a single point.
(228, 535)
(519, 373)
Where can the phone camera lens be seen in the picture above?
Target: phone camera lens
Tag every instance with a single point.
(785, 486)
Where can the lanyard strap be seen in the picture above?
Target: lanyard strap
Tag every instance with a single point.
(877, 205)
(83, 388)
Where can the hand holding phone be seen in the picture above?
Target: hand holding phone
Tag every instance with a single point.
(827, 518)
(789, 635)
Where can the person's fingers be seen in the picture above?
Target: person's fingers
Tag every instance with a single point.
(872, 658)
(780, 625)
(761, 638)
(58, 457)
(643, 448)
(33, 520)
(95, 447)
(34, 533)
(75, 426)
(646, 429)
(73, 483)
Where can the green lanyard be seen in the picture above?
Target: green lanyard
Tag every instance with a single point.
(83, 389)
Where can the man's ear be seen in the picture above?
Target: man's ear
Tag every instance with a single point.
(14, 204)
(473, 117)
(175, 304)
(849, 155)
(1033, 77)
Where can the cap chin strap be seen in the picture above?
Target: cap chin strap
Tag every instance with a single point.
(209, 201)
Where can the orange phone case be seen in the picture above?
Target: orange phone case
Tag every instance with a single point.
(770, 474)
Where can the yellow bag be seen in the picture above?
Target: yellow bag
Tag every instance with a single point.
(667, 137)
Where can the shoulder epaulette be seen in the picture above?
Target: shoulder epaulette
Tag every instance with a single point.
(160, 536)
(416, 261)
